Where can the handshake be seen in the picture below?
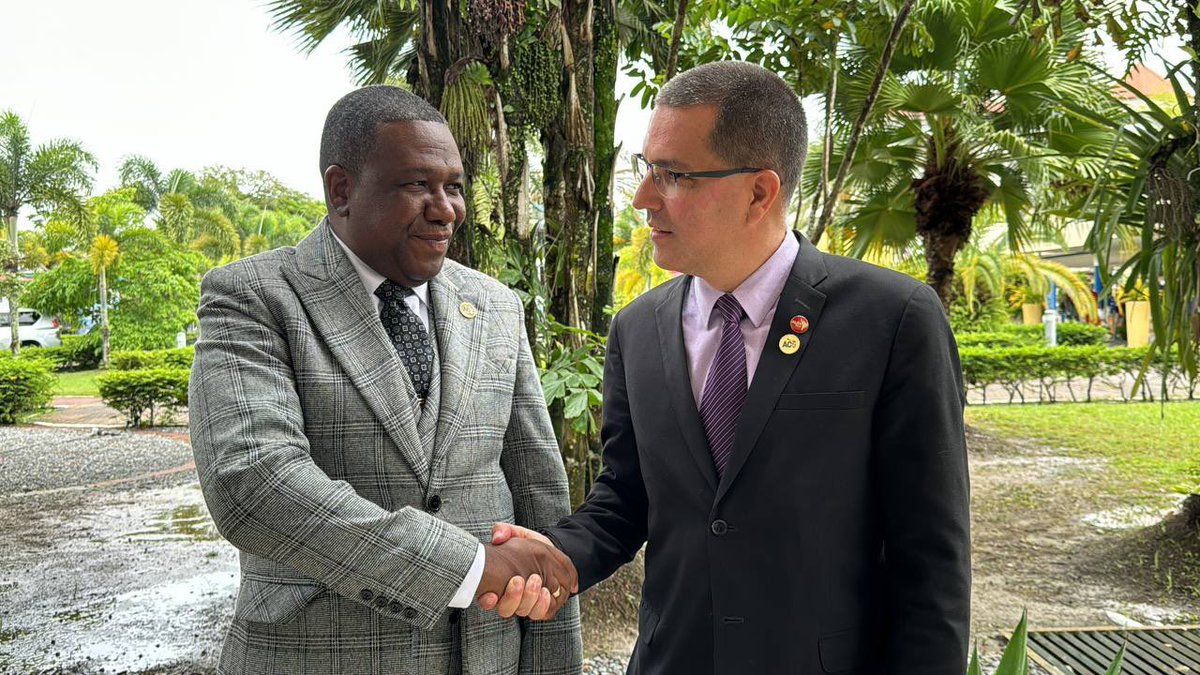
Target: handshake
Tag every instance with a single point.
(524, 575)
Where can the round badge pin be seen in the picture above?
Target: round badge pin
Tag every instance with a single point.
(789, 344)
(799, 324)
(468, 310)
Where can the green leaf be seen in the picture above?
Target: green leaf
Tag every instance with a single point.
(1015, 660)
(973, 667)
(576, 405)
(1118, 661)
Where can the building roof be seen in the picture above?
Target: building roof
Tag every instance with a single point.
(1145, 80)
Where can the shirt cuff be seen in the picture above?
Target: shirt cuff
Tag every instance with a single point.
(466, 592)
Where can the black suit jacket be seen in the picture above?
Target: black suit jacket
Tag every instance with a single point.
(838, 539)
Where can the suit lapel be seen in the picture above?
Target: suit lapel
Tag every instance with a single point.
(775, 369)
(344, 315)
(461, 347)
(669, 316)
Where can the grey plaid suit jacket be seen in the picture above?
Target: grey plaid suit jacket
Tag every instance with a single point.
(305, 436)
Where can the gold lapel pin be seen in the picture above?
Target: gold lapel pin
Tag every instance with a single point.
(789, 344)
(468, 310)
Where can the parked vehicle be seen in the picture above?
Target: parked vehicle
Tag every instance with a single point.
(34, 329)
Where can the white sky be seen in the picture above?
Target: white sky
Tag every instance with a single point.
(188, 83)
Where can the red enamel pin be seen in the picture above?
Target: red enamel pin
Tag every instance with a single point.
(799, 324)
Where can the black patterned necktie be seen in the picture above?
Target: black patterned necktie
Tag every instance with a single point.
(409, 336)
(725, 387)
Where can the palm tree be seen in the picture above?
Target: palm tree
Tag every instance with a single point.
(108, 216)
(53, 176)
(103, 254)
(995, 269)
(1149, 192)
(970, 123)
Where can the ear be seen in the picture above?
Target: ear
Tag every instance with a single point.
(764, 195)
(338, 185)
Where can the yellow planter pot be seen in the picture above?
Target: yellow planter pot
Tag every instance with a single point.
(1031, 313)
(1137, 323)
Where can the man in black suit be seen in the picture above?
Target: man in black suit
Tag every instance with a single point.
(782, 427)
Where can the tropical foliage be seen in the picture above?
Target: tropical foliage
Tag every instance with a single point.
(54, 175)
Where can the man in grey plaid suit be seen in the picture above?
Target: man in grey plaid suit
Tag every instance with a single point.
(362, 411)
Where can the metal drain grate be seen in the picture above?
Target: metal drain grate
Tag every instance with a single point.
(1089, 651)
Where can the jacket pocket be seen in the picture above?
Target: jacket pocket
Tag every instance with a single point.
(275, 600)
(833, 400)
(841, 651)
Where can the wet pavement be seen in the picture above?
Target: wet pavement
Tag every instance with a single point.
(109, 562)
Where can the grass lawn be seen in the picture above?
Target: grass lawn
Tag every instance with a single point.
(1150, 447)
(80, 383)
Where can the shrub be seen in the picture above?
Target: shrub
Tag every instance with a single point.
(1001, 339)
(140, 394)
(83, 351)
(1069, 334)
(158, 358)
(1010, 366)
(988, 315)
(59, 358)
(26, 386)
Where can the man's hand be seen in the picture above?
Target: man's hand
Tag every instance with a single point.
(527, 597)
(535, 578)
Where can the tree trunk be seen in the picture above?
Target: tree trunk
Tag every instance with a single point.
(826, 141)
(604, 129)
(885, 62)
(14, 268)
(569, 299)
(442, 44)
(940, 250)
(676, 38)
(104, 333)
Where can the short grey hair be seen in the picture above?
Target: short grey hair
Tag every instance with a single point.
(349, 133)
(760, 122)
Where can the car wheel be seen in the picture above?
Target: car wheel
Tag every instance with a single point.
(30, 343)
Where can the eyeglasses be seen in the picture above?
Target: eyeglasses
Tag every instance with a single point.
(666, 181)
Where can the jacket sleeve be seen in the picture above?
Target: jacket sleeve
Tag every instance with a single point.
(609, 528)
(920, 466)
(269, 498)
(533, 466)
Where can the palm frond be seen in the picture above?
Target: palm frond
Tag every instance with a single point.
(465, 105)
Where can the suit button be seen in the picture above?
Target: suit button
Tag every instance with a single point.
(455, 615)
(381, 601)
(396, 607)
(366, 595)
(435, 504)
(410, 613)
(719, 527)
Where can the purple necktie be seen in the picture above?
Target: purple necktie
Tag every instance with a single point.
(725, 388)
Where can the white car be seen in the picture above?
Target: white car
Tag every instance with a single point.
(34, 329)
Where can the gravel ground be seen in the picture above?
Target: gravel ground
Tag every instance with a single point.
(605, 664)
(41, 459)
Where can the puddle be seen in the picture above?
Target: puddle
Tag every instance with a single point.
(1148, 615)
(1130, 517)
(136, 630)
(90, 615)
(189, 522)
(122, 581)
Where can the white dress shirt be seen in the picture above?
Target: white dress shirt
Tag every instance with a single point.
(418, 302)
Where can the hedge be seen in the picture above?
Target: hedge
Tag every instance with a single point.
(1069, 335)
(26, 386)
(141, 394)
(1010, 367)
(157, 358)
